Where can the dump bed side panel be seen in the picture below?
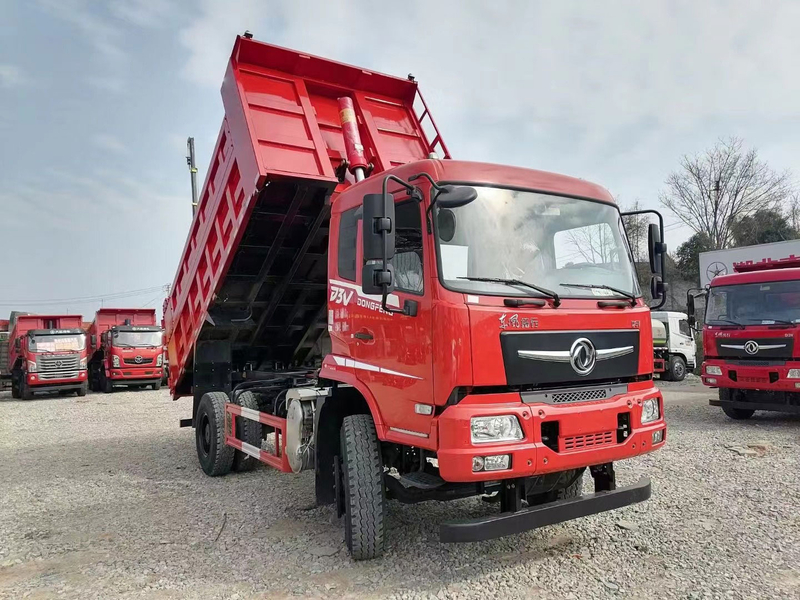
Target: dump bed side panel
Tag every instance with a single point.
(253, 272)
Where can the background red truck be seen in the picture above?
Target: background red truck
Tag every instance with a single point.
(47, 353)
(125, 349)
(751, 339)
(406, 326)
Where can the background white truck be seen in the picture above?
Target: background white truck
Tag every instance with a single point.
(674, 347)
(720, 262)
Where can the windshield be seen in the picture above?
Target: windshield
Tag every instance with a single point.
(57, 343)
(137, 339)
(549, 241)
(754, 303)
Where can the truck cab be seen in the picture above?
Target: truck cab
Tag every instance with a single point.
(126, 349)
(676, 353)
(47, 354)
(750, 338)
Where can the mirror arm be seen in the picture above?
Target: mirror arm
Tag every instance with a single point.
(436, 187)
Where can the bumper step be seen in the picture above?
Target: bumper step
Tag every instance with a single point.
(509, 523)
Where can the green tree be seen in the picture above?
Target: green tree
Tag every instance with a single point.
(762, 227)
(687, 256)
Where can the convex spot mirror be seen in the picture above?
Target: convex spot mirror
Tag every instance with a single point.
(453, 196)
(446, 224)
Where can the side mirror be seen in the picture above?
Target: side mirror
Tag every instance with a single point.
(453, 196)
(690, 310)
(658, 290)
(656, 249)
(378, 243)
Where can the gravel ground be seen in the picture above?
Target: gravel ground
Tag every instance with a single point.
(102, 497)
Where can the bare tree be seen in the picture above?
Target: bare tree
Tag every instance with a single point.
(636, 228)
(710, 191)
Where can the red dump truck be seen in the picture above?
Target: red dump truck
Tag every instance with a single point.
(409, 327)
(47, 353)
(125, 349)
(751, 337)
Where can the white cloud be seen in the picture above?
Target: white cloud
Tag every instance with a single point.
(11, 76)
(115, 85)
(145, 13)
(109, 142)
(94, 29)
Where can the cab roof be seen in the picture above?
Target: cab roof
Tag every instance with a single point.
(765, 276)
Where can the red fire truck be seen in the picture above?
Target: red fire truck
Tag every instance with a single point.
(47, 353)
(751, 339)
(352, 301)
(125, 349)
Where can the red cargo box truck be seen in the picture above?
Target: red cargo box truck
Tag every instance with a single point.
(47, 353)
(125, 349)
(352, 301)
(751, 339)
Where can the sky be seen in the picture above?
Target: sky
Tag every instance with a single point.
(97, 100)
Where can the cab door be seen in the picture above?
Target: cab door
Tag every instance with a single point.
(393, 351)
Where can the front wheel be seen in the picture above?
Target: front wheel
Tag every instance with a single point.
(83, 389)
(157, 385)
(14, 388)
(216, 458)
(25, 391)
(108, 387)
(677, 368)
(364, 494)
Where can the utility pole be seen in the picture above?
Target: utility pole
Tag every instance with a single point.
(192, 171)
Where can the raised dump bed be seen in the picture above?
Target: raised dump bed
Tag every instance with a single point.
(253, 272)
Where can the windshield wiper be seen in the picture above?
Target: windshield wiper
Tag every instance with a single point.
(602, 286)
(725, 322)
(118, 345)
(544, 291)
(774, 322)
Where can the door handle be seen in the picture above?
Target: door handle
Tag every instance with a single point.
(363, 335)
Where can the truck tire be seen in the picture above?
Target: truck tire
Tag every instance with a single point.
(83, 389)
(105, 382)
(216, 458)
(14, 388)
(25, 392)
(157, 385)
(738, 414)
(364, 494)
(249, 432)
(573, 489)
(677, 368)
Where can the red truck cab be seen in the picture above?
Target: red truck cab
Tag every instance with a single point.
(125, 349)
(47, 353)
(751, 340)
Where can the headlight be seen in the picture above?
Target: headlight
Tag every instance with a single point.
(650, 411)
(159, 360)
(31, 366)
(793, 374)
(504, 428)
(714, 370)
(82, 364)
(114, 360)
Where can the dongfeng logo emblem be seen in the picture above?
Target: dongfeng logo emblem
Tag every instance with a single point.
(138, 360)
(751, 347)
(582, 356)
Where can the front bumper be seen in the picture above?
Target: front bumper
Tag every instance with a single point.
(135, 376)
(738, 375)
(588, 434)
(509, 523)
(37, 383)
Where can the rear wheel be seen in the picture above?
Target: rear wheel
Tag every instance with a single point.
(215, 457)
(677, 368)
(249, 432)
(364, 494)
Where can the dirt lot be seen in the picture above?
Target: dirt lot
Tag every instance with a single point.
(102, 497)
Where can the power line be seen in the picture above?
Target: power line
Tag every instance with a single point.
(96, 298)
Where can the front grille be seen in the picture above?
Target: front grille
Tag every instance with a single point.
(579, 396)
(589, 440)
(57, 366)
(141, 361)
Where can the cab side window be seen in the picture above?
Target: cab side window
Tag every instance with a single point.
(348, 232)
(408, 242)
(683, 326)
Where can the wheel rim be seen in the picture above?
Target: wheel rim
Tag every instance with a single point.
(679, 369)
(205, 435)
